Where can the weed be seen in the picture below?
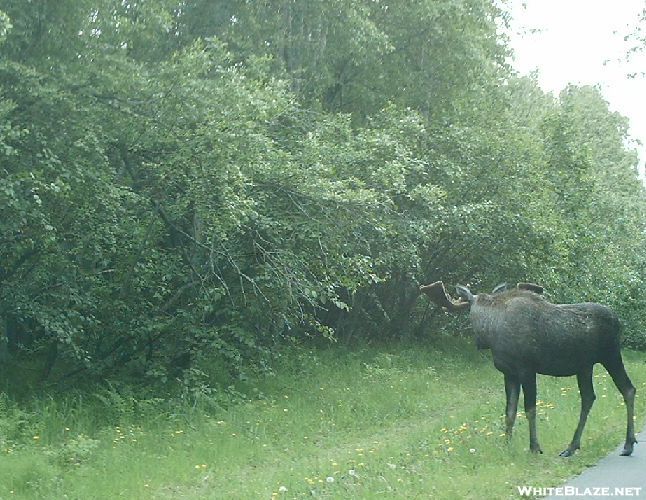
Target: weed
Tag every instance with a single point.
(394, 421)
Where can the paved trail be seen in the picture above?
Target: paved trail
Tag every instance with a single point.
(610, 475)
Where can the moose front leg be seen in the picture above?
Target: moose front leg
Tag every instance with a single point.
(529, 396)
(512, 392)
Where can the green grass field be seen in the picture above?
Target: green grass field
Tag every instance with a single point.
(365, 422)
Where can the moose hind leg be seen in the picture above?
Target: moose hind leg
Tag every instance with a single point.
(512, 392)
(622, 381)
(529, 397)
(586, 390)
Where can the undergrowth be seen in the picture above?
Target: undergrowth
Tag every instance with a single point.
(398, 421)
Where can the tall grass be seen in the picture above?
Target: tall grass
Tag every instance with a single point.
(393, 421)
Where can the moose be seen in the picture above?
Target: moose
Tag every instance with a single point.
(528, 335)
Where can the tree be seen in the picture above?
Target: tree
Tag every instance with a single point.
(187, 187)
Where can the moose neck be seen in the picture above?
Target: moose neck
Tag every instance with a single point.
(485, 320)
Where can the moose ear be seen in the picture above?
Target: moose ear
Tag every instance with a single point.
(532, 287)
(465, 293)
(503, 287)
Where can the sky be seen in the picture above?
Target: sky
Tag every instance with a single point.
(582, 42)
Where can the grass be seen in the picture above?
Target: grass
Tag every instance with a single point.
(399, 421)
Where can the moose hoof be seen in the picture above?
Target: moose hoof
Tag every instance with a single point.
(536, 450)
(628, 448)
(566, 453)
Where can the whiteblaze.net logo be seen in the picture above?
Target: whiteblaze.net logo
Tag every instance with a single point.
(574, 491)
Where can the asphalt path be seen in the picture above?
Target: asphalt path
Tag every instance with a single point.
(612, 477)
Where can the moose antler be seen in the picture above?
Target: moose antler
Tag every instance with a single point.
(532, 287)
(437, 294)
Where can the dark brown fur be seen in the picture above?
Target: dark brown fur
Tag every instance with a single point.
(529, 335)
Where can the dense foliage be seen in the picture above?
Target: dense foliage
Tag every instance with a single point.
(183, 181)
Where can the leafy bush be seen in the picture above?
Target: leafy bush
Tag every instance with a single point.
(170, 199)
